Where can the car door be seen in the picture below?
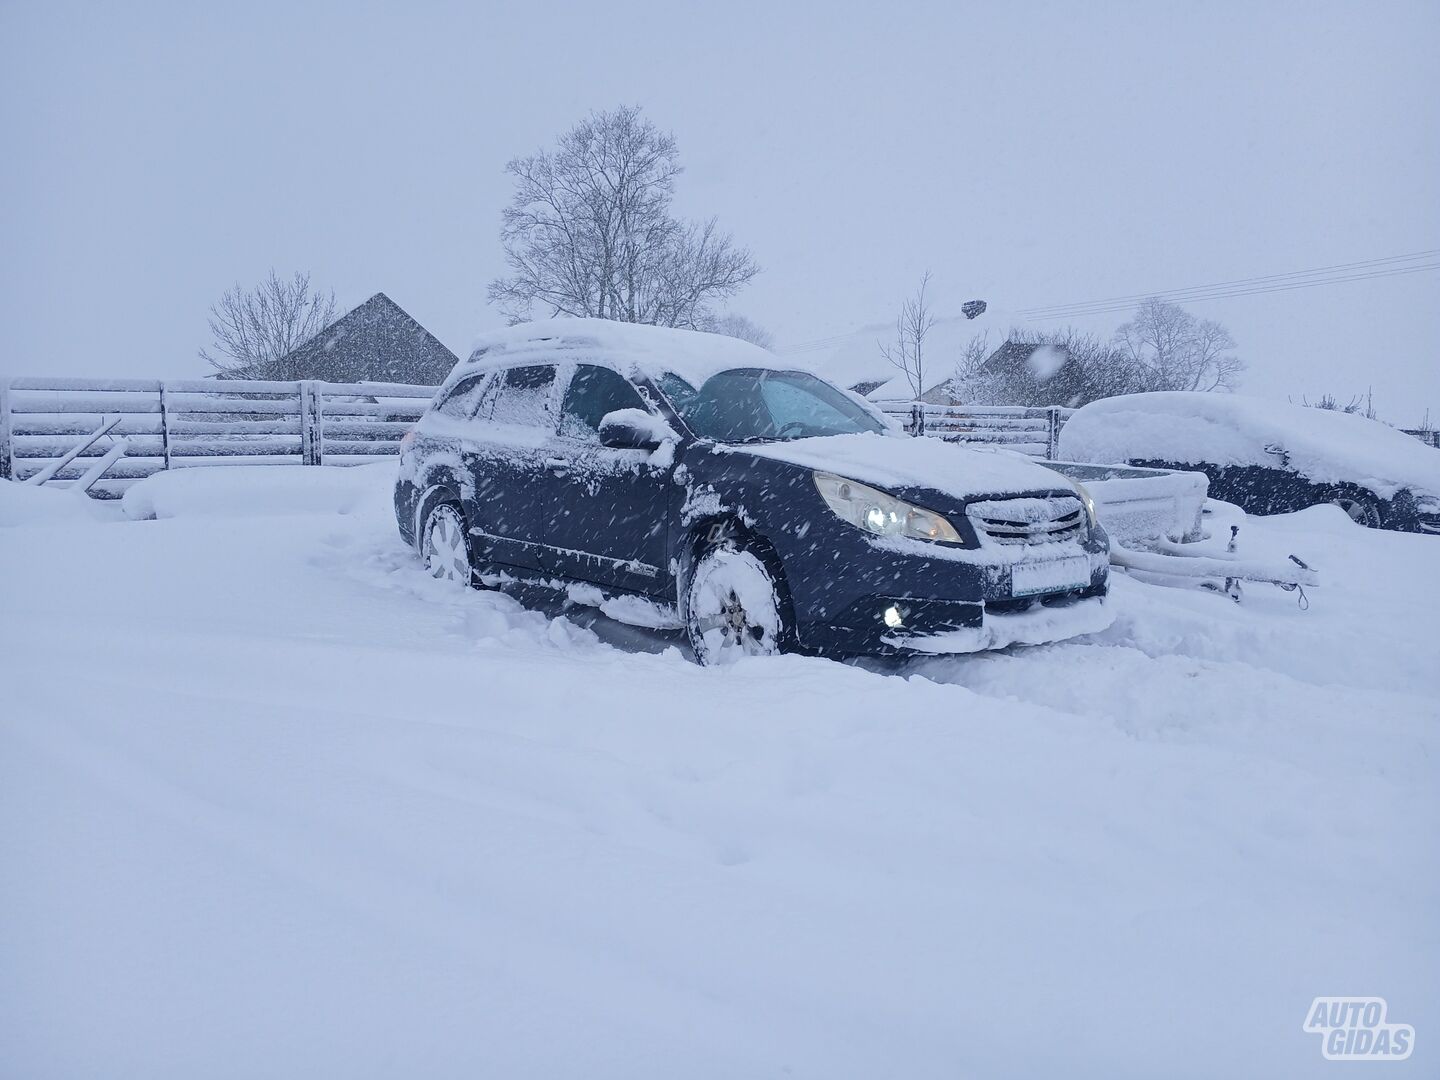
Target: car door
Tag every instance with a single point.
(514, 426)
(605, 511)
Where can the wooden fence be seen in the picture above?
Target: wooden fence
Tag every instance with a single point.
(1029, 431)
(180, 423)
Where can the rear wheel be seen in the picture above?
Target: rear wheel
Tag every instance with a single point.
(733, 607)
(1360, 509)
(445, 545)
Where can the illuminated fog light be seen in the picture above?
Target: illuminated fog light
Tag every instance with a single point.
(893, 618)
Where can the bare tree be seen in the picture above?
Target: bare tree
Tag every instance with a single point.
(969, 367)
(1172, 350)
(589, 232)
(738, 326)
(912, 326)
(254, 330)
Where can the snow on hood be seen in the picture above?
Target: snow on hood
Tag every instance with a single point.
(891, 462)
(1228, 429)
(630, 347)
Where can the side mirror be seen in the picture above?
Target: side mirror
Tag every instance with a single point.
(634, 429)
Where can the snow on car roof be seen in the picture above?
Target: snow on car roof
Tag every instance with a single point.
(1230, 429)
(631, 347)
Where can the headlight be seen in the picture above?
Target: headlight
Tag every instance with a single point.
(1086, 499)
(882, 514)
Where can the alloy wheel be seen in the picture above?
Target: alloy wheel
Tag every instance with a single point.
(447, 552)
(733, 609)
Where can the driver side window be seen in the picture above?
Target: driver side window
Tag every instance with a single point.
(593, 393)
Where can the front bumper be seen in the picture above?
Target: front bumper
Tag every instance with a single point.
(991, 620)
(1037, 624)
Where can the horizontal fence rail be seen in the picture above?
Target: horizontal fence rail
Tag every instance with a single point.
(172, 424)
(1013, 427)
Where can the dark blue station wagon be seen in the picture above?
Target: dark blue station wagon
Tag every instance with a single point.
(690, 480)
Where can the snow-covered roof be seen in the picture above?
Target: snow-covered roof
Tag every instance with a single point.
(856, 358)
(631, 347)
(1230, 429)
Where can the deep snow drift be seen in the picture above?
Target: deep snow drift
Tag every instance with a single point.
(274, 803)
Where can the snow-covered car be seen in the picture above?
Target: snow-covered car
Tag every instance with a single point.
(1268, 457)
(755, 504)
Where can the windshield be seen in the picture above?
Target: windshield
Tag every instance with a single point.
(759, 405)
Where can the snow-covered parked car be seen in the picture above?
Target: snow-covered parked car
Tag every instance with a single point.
(753, 503)
(1268, 457)
(1142, 507)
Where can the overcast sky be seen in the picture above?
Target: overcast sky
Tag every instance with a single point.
(1026, 153)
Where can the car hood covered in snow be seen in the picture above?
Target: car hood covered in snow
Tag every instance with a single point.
(1229, 429)
(896, 462)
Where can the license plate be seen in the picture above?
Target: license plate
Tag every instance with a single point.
(1058, 575)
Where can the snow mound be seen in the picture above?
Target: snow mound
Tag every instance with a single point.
(24, 504)
(254, 490)
(1228, 429)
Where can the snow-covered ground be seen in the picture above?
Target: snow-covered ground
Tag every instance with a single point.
(273, 803)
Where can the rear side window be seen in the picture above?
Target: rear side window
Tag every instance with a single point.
(463, 398)
(593, 393)
(524, 397)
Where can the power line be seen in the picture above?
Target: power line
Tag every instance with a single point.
(1226, 294)
(1338, 273)
(1292, 275)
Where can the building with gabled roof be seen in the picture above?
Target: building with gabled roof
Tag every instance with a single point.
(378, 341)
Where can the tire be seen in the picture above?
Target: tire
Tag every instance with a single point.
(733, 607)
(445, 545)
(1361, 509)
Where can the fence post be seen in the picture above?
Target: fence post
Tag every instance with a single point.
(1052, 427)
(164, 426)
(7, 450)
(917, 419)
(311, 423)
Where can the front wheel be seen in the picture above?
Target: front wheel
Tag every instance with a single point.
(445, 545)
(733, 607)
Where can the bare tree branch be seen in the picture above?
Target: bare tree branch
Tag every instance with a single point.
(738, 326)
(254, 330)
(1172, 350)
(912, 326)
(589, 232)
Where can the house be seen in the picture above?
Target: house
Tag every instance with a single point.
(1025, 361)
(856, 361)
(375, 342)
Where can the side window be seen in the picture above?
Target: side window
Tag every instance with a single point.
(524, 397)
(464, 396)
(592, 394)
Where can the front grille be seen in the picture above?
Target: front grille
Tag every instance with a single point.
(1029, 521)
